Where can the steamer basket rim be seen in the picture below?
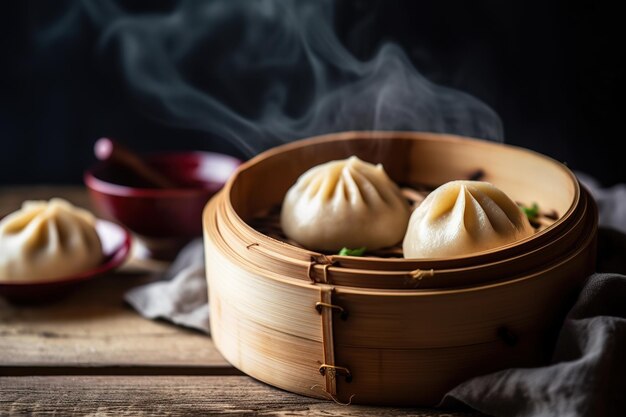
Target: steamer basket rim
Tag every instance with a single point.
(403, 134)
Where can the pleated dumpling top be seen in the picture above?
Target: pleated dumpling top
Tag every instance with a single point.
(46, 240)
(464, 217)
(345, 203)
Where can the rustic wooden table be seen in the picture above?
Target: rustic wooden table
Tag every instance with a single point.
(90, 354)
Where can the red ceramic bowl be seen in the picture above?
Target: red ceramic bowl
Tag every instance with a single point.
(116, 245)
(156, 213)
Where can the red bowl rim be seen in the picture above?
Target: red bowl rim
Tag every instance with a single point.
(109, 188)
(113, 260)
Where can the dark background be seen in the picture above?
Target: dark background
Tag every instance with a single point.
(550, 71)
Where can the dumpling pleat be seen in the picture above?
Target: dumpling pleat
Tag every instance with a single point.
(360, 188)
(35, 236)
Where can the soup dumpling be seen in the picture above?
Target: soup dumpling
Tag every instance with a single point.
(47, 240)
(463, 217)
(345, 203)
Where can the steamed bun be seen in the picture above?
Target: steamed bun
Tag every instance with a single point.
(463, 217)
(47, 240)
(345, 203)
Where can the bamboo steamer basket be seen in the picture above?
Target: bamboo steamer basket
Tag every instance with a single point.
(392, 331)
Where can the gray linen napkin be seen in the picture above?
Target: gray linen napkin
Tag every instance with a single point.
(587, 374)
(181, 295)
(611, 202)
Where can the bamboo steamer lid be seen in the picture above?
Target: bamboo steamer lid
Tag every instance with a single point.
(392, 331)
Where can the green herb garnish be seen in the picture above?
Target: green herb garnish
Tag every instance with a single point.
(352, 252)
(531, 212)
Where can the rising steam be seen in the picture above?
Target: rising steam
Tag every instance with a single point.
(260, 73)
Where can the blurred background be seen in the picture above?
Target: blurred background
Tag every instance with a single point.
(242, 76)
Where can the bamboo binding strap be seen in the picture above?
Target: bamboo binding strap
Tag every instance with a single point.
(414, 278)
(333, 370)
(326, 263)
(319, 306)
(328, 368)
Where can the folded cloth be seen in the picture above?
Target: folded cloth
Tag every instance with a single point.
(611, 202)
(180, 295)
(587, 374)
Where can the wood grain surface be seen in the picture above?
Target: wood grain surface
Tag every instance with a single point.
(93, 327)
(173, 396)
